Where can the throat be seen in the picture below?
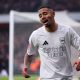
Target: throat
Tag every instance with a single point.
(52, 28)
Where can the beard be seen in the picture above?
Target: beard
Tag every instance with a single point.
(47, 25)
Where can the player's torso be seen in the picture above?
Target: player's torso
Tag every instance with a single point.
(52, 44)
(53, 52)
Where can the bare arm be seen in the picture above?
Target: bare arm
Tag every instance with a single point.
(27, 60)
(31, 50)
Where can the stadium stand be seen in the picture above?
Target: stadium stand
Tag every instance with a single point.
(4, 49)
(33, 5)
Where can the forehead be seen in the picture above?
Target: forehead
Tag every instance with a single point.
(43, 10)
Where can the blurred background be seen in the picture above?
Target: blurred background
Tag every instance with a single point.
(23, 29)
(32, 5)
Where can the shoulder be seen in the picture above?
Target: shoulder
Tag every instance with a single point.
(65, 28)
(36, 32)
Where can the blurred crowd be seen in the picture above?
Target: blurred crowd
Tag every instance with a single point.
(4, 52)
(21, 35)
(33, 5)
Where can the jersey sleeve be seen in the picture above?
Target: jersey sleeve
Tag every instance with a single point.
(75, 39)
(32, 46)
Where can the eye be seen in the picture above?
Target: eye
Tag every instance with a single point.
(45, 13)
(40, 15)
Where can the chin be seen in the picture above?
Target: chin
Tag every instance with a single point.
(47, 25)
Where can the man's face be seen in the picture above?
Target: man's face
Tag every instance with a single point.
(46, 16)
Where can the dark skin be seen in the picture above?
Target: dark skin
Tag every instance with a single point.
(46, 16)
(27, 60)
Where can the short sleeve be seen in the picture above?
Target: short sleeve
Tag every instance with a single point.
(75, 39)
(32, 46)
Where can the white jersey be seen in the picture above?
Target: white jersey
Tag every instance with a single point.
(54, 49)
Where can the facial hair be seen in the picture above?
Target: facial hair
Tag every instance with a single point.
(48, 25)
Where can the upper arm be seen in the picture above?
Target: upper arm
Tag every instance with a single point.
(32, 46)
(75, 39)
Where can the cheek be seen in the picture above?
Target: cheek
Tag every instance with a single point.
(49, 17)
(40, 19)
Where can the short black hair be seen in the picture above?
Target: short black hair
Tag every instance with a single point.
(44, 6)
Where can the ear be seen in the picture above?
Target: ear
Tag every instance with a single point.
(53, 12)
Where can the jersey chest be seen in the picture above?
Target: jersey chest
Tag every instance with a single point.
(53, 40)
(53, 45)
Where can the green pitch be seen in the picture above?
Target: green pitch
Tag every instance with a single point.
(19, 77)
(3, 78)
(33, 77)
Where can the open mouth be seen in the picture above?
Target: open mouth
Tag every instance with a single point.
(45, 21)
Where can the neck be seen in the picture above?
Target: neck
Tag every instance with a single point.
(52, 28)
